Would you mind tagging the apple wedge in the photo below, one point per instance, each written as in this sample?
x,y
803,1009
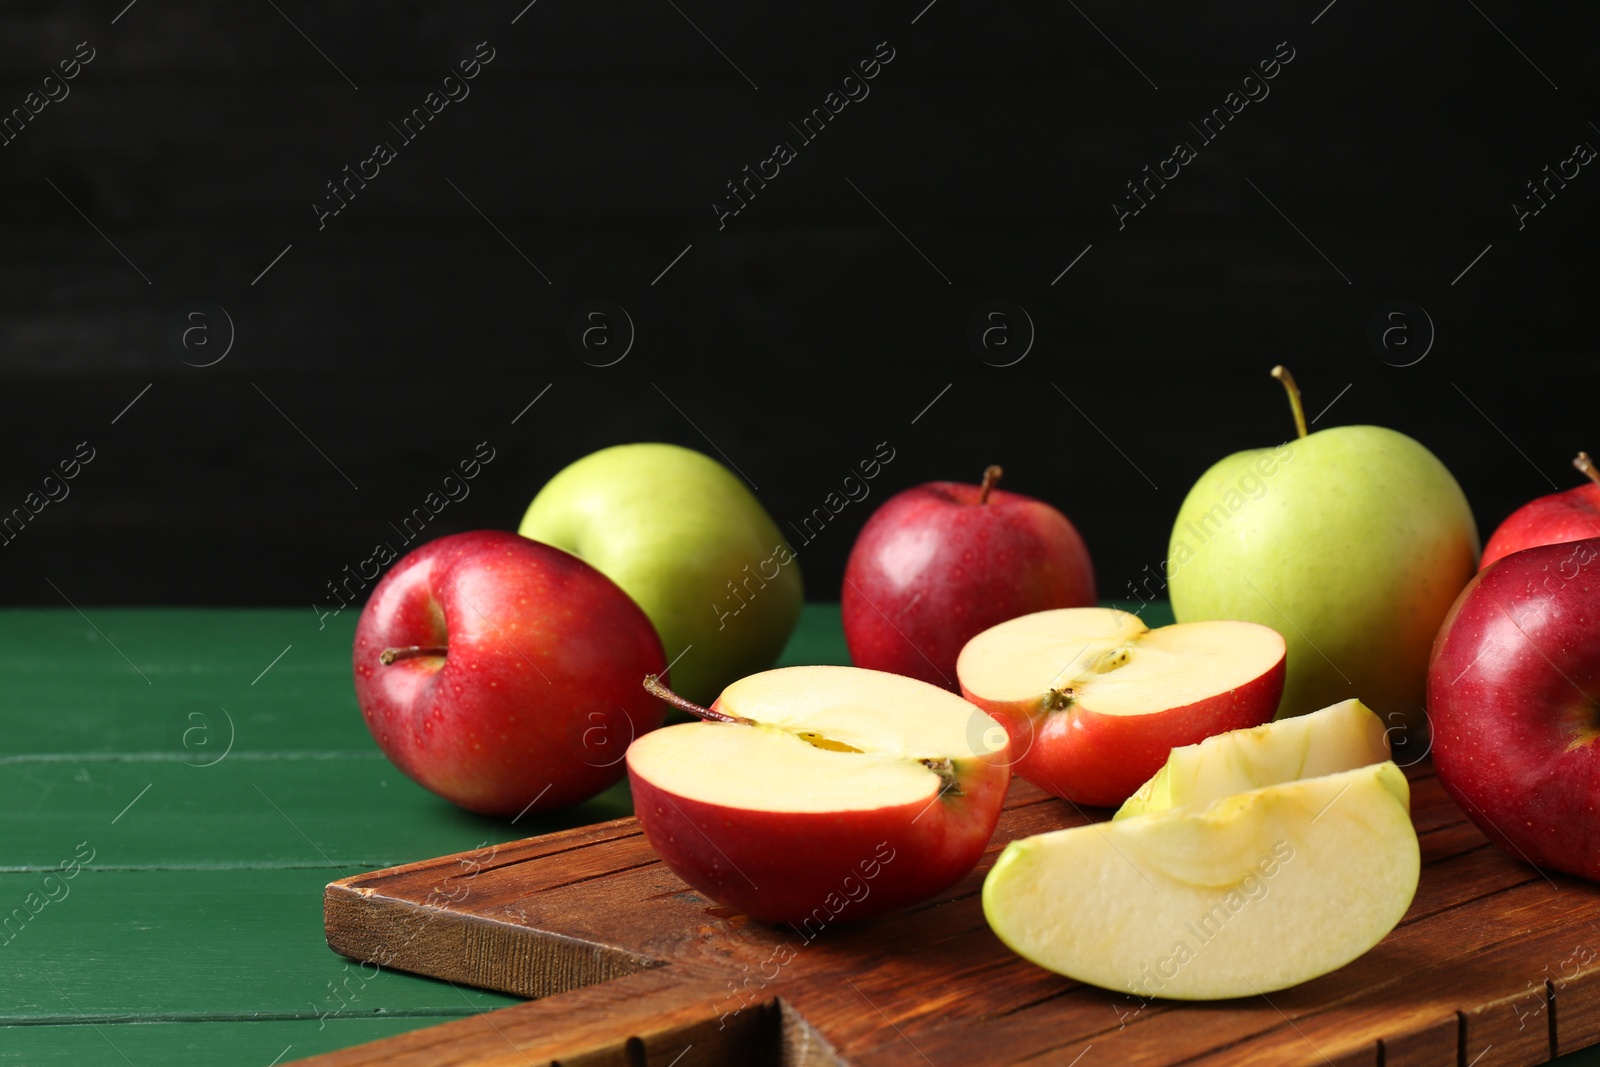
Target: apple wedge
x,y
1094,700
1340,737
816,794
1256,892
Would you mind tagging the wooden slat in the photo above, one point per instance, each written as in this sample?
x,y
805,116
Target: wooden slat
x,y
561,915
553,881
1087,1012
1472,960
1575,988
651,1017
193,1043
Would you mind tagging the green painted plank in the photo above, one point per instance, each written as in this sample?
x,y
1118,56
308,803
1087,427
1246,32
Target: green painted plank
x,y
177,945
192,682
193,1044
202,905
180,682
817,639
343,815
272,807
186,684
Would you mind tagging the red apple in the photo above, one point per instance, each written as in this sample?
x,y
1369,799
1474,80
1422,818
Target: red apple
x,y
818,794
1514,704
1094,700
1573,515
939,563
502,673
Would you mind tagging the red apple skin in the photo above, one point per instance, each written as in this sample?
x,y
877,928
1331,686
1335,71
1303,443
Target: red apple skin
x,y
1573,515
1102,760
815,869
538,695
1514,705
934,568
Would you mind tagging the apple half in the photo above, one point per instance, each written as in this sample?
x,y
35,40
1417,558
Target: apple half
x,y
1256,892
1094,700
815,794
1340,737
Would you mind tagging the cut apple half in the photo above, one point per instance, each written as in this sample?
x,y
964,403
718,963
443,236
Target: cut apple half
x,y
1256,892
1094,700
821,793
1340,737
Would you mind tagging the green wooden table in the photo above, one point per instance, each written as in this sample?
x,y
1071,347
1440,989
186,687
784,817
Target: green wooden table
x,y
177,787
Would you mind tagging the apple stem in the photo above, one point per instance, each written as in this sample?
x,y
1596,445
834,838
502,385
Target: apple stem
x,y
1586,465
991,475
653,686
1281,373
390,655
946,770
1060,699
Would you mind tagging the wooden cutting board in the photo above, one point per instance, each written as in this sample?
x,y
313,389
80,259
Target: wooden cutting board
x,y
1495,964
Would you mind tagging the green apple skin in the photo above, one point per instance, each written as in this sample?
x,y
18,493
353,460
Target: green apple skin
x,y
685,538
1352,542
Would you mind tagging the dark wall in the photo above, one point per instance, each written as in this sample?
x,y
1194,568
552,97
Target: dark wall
x,y
797,335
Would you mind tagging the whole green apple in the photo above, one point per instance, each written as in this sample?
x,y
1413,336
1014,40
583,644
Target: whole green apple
x,y
684,537
1352,542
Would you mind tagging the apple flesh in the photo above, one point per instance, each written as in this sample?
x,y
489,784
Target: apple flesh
x,y
1573,515
939,563
1093,700
1514,699
500,673
826,794
1340,737
1253,893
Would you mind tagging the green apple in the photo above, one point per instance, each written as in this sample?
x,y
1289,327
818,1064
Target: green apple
x,y
1340,737
1256,892
1352,542
684,537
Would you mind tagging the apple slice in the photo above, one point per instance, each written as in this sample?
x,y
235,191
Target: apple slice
x,y
1256,892
1340,737
814,794
1094,700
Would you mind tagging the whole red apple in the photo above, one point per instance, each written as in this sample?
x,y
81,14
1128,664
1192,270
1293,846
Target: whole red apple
x,y
1514,704
503,674
1573,515
938,564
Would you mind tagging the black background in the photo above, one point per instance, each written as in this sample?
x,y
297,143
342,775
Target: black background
x,y
808,329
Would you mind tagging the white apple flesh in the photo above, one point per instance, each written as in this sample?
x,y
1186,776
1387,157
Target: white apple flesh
x,y
833,793
1257,892
1094,700
1340,737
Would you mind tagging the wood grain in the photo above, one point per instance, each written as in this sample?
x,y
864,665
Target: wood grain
x,y
1492,962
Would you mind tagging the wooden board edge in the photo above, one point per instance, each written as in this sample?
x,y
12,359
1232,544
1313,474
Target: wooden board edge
x,y
658,1017
489,857
467,949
